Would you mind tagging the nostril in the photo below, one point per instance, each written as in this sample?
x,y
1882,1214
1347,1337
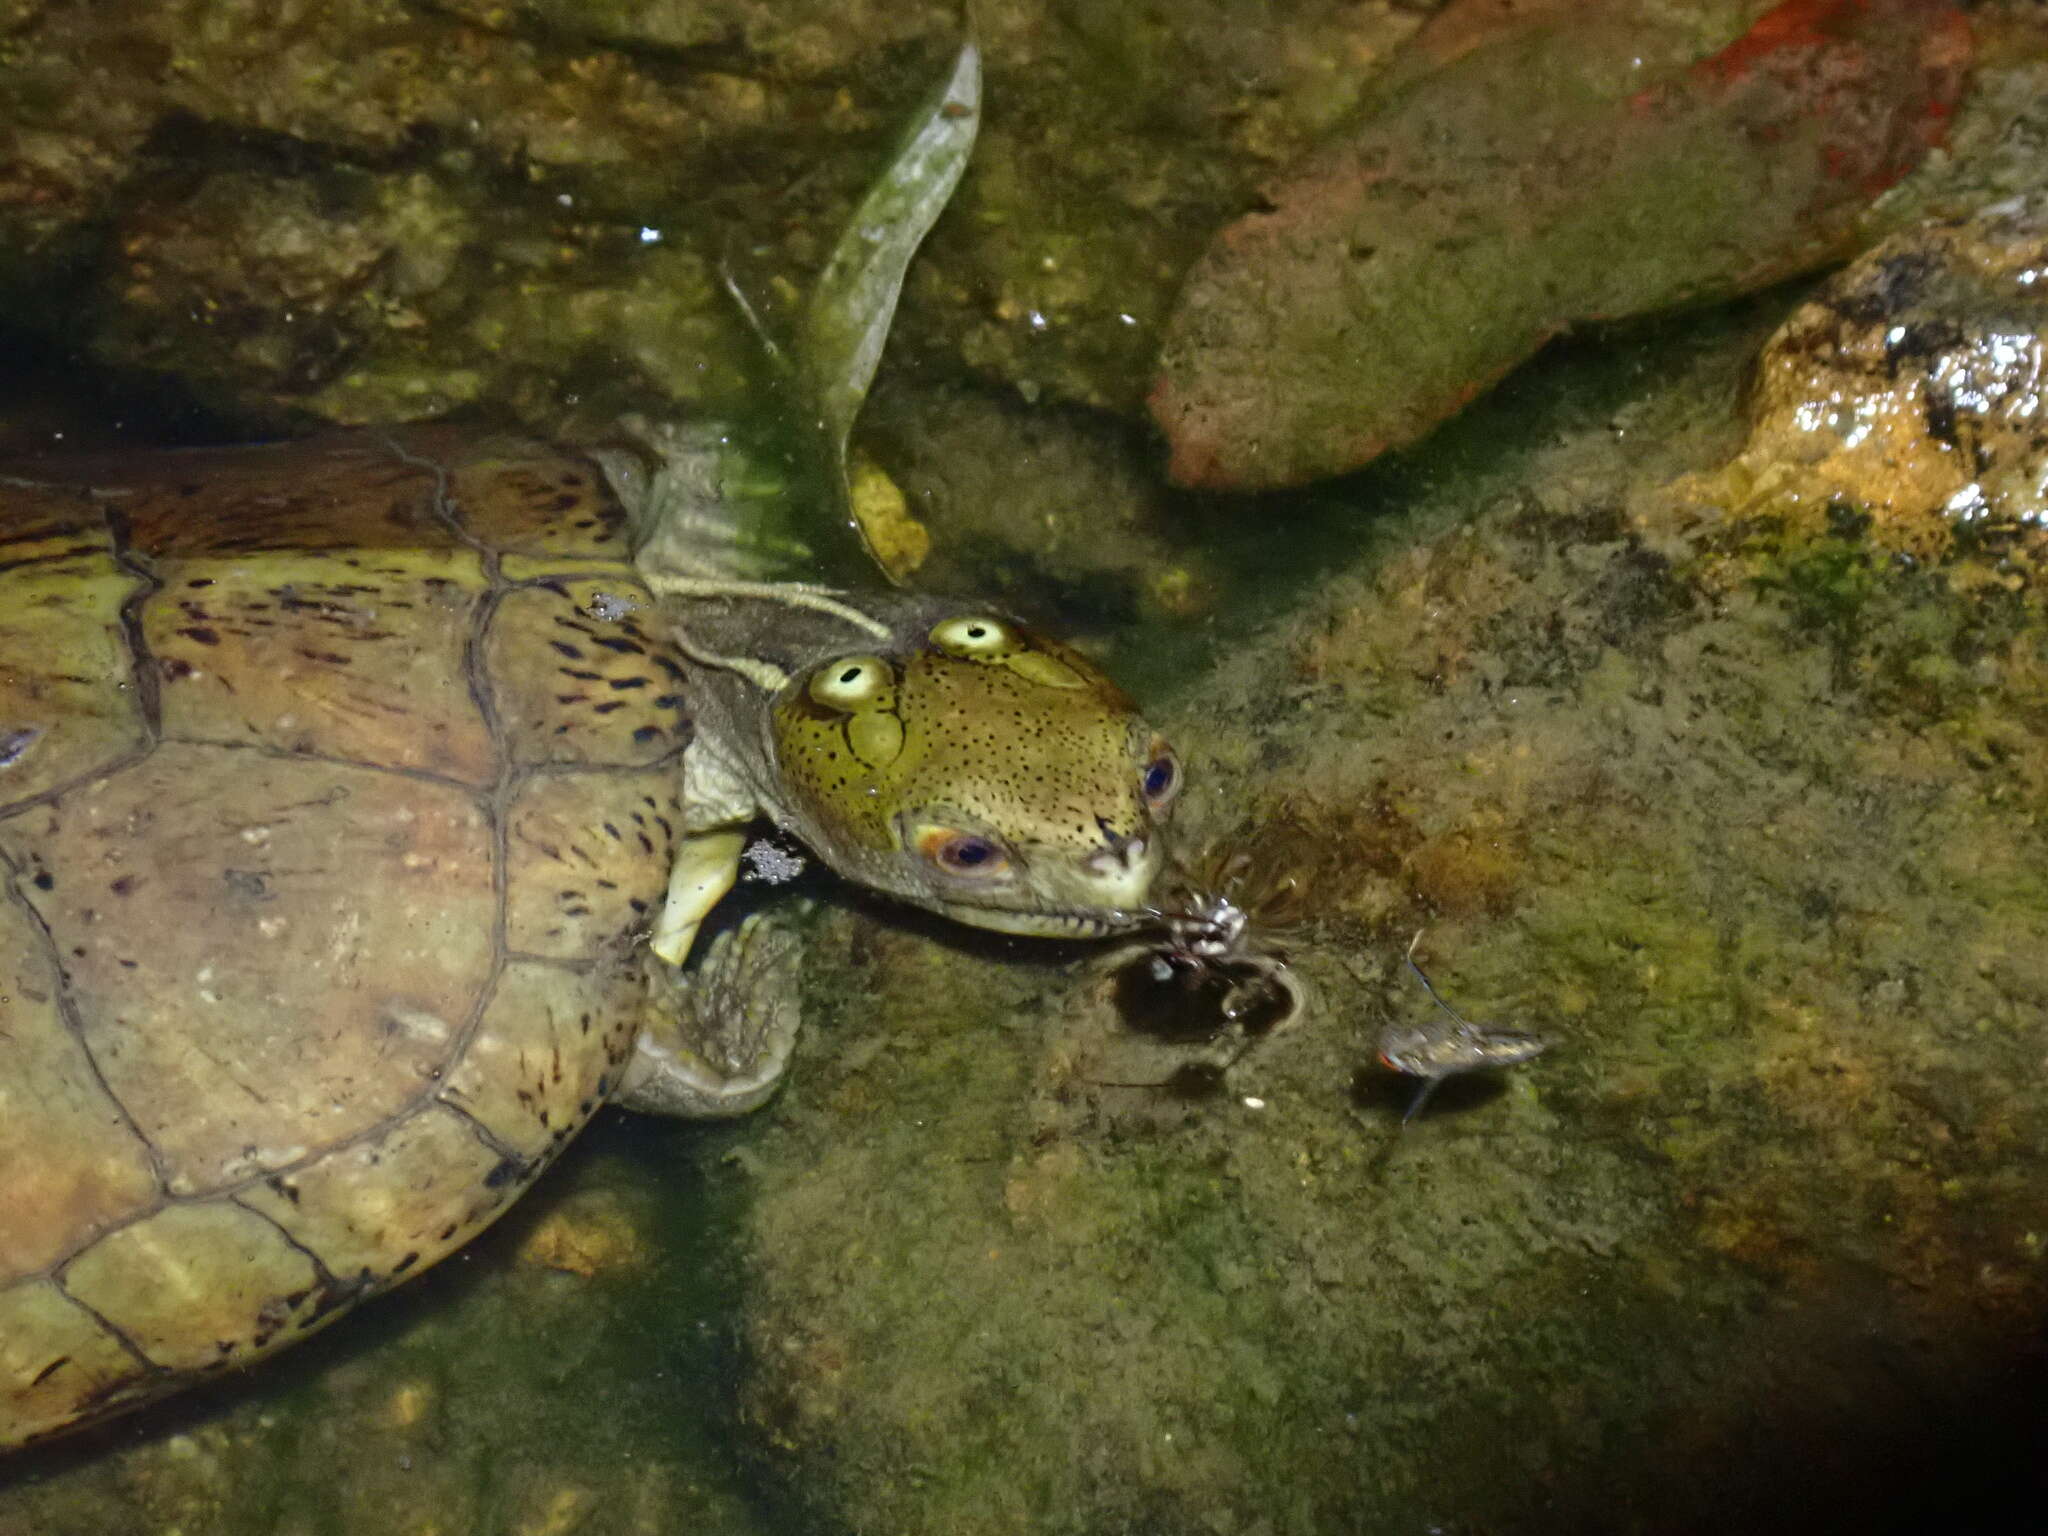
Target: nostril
x,y
1123,853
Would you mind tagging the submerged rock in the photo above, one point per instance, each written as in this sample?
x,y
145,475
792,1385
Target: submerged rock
x,y
1910,392
1564,172
1757,1244
544,189
1750,842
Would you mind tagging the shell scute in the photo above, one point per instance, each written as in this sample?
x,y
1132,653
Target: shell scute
x,y
216,913
587,859
362,660
68,703
344,493
548,1051
60,1365
389,1203
74,1164
534,507
194,1284
581,675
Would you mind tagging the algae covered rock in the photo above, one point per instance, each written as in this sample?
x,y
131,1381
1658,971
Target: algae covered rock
x,y
529,202
1738,813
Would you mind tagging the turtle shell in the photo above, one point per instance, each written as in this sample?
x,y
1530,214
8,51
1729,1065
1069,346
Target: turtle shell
x,y
336,782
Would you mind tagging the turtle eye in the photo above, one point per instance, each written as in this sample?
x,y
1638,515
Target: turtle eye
x,y
1159,782
962,853
976,637
851,682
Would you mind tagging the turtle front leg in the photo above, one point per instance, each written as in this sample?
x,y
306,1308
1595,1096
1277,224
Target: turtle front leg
x,y
717,804
706,865
718,1038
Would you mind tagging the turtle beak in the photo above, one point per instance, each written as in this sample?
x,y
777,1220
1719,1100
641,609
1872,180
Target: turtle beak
x,y
1116,877
1120,874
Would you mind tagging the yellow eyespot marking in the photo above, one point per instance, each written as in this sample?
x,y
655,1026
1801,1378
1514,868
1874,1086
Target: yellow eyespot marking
x,y
961,853
863,689
977,637
854,682
876,737
1049,671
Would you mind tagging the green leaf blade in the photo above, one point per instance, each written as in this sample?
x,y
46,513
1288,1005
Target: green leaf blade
x,y
847,320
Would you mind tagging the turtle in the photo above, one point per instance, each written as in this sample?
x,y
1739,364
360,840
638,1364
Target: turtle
x,y
360,802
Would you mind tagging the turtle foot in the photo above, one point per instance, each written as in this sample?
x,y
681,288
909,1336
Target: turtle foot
x,y
720,1036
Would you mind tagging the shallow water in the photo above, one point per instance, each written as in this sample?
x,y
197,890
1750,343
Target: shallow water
x,y
1762,1222
1747,825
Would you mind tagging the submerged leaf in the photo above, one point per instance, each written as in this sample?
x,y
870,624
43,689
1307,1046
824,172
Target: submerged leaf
x,y
848,317
847,320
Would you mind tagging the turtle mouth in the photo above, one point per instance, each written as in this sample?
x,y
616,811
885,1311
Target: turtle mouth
x,y
1070,923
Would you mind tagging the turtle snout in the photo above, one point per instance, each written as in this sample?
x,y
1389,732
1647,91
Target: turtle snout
x,y
1120,872
1119,855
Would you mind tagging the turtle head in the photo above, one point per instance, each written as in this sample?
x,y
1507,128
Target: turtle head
x,y
978,768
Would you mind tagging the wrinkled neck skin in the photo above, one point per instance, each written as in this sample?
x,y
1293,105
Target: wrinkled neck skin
x,y
1050,774
733,704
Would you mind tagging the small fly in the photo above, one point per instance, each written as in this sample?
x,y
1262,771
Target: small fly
x,y
1438,1051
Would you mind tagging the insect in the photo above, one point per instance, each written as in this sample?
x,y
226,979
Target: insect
x,y
1437,1051
1201,977
1212,965
1202,972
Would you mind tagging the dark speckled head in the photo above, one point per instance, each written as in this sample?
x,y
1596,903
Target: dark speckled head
x,y
985,771
942,752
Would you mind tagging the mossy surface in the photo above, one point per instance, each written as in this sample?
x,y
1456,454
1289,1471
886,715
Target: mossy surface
x,y
1719,817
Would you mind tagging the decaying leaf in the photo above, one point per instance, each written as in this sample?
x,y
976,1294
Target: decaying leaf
x,y
830,362
847,320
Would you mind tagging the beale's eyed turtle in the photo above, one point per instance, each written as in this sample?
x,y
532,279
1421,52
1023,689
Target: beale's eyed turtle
x,y
340,786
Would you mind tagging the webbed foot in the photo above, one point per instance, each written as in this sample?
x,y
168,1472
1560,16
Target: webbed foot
x,y
720,1036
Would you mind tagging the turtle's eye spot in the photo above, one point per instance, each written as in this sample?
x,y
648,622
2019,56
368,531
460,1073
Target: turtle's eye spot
x,y
1159,781
962,853
976,637
851,682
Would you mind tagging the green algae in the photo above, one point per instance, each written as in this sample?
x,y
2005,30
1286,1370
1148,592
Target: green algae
x,y
1745,873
